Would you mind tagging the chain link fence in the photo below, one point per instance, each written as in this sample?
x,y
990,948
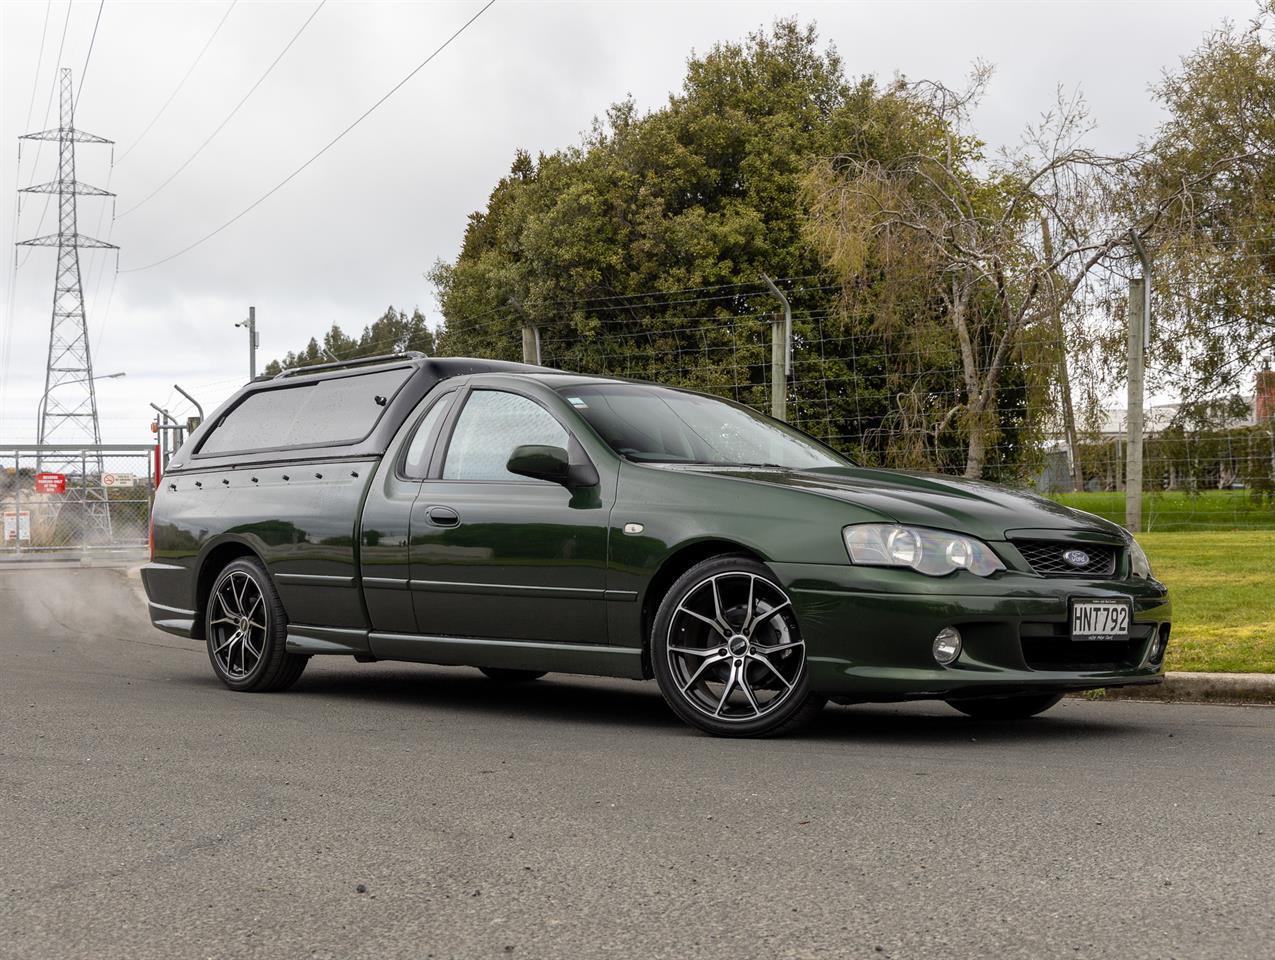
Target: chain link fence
x,y
75,499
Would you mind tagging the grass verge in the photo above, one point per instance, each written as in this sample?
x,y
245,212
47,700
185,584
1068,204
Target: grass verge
x,y
1176,510
1223,590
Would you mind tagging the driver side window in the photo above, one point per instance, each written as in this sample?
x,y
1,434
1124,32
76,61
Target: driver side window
x,y
489,429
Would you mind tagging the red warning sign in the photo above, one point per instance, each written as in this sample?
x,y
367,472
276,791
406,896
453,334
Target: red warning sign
x,y
50,483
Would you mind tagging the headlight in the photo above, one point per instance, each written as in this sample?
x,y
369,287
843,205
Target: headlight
x,y
931,552
1139,565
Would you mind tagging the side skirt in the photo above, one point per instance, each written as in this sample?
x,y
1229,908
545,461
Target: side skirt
x,y
308,639
599,661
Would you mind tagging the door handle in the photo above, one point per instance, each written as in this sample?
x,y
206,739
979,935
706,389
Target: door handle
x,y
443,517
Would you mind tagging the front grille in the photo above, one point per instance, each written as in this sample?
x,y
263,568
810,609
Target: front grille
x,y
1047,646
1047,558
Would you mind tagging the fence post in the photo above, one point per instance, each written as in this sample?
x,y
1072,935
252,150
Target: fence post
x,y
778,382
530,344
17,501
1133,412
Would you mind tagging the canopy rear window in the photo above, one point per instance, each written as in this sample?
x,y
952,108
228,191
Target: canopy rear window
x,y
330,412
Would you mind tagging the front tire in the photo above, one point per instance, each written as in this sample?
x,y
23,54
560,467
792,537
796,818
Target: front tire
x,y
1006,708
727,652
246,630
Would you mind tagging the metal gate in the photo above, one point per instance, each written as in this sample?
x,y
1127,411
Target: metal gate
x,y
75,498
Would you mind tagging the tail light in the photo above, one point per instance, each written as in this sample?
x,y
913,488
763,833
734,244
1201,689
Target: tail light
x,y
150,536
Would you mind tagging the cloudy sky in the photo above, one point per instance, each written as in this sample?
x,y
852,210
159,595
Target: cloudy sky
x,y
356,231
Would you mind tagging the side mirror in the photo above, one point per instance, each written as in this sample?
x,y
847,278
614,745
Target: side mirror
x,y
551,463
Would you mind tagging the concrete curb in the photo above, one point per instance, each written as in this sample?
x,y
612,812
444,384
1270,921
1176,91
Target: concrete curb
x,y
1254,688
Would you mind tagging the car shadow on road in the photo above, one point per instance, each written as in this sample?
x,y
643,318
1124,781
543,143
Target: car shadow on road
x,y
934,723
555,698
616,703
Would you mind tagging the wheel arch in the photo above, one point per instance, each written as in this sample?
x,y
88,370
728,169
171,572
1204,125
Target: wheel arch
x,y
673,566
212,563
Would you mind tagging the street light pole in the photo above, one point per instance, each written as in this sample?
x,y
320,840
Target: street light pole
x,y
253,341
93,379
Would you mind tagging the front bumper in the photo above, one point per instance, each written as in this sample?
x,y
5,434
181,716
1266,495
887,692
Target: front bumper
x,y
869,632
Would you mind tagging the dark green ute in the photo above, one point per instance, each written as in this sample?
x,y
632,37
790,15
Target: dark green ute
x,y
523,520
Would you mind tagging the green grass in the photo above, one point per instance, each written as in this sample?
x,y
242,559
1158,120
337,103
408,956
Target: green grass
x,y
1172,510
1223,590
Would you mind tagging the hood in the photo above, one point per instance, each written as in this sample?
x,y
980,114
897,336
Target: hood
x,y
984,510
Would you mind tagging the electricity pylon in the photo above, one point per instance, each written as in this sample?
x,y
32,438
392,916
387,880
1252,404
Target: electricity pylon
x,y
68,407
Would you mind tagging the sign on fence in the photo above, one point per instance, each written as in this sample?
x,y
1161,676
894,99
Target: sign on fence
x,y
50,483
17,526
63,497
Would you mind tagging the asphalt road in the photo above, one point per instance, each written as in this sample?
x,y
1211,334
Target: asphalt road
x,y
392,810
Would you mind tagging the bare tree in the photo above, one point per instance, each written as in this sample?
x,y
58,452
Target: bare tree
x,y
1005,242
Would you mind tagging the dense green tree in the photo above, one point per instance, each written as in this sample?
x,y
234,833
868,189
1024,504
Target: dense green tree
x,y
393,332
694,201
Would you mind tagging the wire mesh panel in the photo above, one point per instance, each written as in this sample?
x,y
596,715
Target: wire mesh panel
x,y
58,498
1047,416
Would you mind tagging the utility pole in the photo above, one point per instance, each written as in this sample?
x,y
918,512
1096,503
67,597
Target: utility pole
x,y
530,335
530,344
780,354
254,341
1139,335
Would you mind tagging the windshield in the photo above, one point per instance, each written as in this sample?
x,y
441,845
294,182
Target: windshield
x,y
649,424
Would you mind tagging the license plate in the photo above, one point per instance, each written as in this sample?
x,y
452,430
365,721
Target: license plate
x,y
1100,619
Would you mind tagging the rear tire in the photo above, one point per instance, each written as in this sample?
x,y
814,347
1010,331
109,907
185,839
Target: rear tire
x,y
505,675
246,630
727,652
1006,708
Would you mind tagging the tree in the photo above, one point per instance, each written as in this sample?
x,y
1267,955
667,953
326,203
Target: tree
x,y
393,332
641,250
997,247
1215,264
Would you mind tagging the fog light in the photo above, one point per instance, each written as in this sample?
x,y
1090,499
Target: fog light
x,y
947,645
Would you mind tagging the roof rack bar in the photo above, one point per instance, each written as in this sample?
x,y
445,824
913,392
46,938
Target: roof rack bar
x,y
343,364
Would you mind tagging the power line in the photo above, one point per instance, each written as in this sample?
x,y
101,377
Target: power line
x,y
48,107
17,181
78,91
182,82
39,61
39,147
88,56
230,115
331,143
12,298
